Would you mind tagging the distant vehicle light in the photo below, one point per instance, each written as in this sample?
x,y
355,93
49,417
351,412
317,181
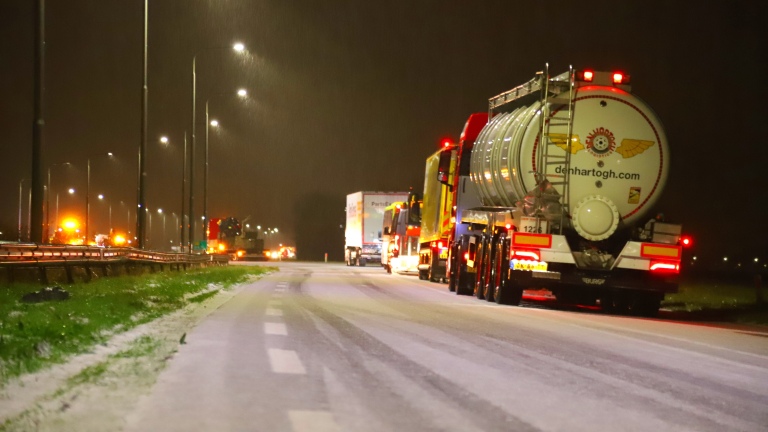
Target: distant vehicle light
x,y
686,241
221,247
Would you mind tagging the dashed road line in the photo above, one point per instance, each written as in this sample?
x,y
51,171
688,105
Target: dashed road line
x,y
275,329
316,421
285,361
274,312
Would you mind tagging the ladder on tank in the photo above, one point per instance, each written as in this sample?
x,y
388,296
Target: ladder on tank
x,y
553,161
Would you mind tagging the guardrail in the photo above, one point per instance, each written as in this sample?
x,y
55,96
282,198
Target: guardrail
x,y
26,255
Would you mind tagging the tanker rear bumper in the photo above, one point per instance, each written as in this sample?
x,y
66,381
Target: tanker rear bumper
x,y
567,277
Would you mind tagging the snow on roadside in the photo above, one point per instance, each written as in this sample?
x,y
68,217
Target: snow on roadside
x,y
48,401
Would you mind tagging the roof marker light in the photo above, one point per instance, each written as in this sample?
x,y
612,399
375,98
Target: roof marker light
x,y
618,77
588,75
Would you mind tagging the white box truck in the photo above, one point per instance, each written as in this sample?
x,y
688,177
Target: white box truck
x,y
365,215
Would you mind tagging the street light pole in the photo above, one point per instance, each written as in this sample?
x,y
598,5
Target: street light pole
x,y
208,123
163,215
192,160
141,203
205,179
21,183
47,234
36,182
87,204
88,197
183,186
239,47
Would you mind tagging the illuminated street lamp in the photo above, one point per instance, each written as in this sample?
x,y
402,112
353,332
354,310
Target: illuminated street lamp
x,y
239,47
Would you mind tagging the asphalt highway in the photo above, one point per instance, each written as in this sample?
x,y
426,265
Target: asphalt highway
x,y
322,347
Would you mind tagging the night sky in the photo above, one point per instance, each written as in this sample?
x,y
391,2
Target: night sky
x,y
351,95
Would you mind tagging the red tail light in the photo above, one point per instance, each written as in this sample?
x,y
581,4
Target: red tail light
x,y
528,254
585,75
686,241
466,256
620,78
439,245
665,267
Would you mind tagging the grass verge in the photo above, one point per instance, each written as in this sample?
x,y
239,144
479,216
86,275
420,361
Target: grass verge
x,y
35,335
717,300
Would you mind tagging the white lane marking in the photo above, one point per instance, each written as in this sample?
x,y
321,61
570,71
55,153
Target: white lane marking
x,y
275,329
319,421
274,312
285,361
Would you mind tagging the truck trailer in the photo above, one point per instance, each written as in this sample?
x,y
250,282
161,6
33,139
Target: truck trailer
x,y
553,188
365,213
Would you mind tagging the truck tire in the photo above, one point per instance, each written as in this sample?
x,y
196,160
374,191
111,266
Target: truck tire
x,y
497,271
645,304
464,283
614,302
479,290
452,262
362,262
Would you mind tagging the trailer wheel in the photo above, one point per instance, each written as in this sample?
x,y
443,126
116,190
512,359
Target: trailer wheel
x,y
431,276
479,290
614,302
508,293
645,304
362,262
497,271
451,264
464,283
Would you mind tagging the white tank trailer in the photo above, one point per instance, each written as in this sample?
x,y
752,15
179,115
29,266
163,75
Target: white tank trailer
x,y
568,211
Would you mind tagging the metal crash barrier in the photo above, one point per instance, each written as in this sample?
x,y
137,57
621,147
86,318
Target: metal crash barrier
x,y
108,260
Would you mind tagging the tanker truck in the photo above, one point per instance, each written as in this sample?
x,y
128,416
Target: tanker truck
x,y
553,188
